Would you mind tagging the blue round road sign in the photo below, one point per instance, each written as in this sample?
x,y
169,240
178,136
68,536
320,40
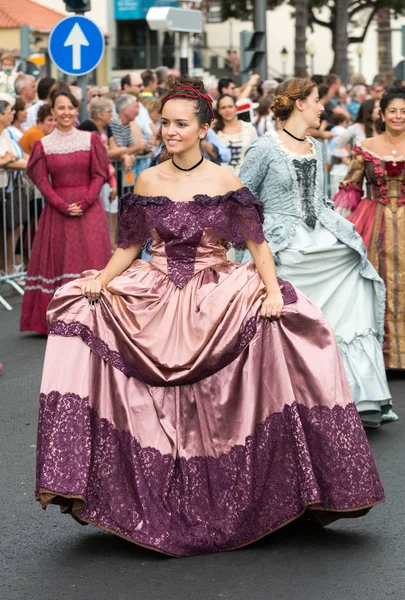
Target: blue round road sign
x,y
76,45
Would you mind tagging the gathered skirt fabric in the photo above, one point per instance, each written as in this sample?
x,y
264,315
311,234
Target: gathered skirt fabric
x,y
163,444
328,272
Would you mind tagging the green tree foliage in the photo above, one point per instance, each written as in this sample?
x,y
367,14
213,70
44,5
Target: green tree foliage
x,y
360,14
359,10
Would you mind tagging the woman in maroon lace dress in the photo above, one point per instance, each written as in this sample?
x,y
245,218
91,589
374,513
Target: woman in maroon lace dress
x,y
203,404
69,167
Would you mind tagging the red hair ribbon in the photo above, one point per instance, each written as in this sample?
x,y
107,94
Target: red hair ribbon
x,y
197,94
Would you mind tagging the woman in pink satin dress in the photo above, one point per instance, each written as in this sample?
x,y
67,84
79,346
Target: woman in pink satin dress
x,y
202,404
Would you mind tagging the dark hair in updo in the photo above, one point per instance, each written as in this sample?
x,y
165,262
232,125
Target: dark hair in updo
x,y
67,94
287,93
202,111
393,92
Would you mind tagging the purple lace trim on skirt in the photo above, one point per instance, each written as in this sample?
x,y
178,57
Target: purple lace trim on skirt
x,y
99,347
317,458
116,360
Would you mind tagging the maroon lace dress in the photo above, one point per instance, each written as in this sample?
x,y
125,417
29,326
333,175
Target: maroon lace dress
x,y
181,420
66,167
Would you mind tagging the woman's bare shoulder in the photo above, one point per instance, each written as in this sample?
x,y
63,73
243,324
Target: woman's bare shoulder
x,y
373,143
226,180
146,181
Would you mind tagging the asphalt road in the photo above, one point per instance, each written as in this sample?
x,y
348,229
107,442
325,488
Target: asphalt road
x,y
48,556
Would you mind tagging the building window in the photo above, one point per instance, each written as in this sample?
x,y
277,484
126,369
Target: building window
x,y
214,11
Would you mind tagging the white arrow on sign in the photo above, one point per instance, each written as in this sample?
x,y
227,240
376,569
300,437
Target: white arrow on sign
x,y
76,39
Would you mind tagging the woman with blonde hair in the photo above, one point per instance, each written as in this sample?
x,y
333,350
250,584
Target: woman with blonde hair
x,y
317,249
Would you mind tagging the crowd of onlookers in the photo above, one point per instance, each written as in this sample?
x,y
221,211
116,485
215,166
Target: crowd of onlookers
x,y
126,116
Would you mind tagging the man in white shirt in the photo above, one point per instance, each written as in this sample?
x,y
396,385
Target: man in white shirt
x,y
43,89
133,83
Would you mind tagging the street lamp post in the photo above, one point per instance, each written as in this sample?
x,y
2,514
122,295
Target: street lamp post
x,y
311,49
284,56
359,51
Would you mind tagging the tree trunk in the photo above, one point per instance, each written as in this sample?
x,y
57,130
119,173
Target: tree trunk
x,y
385,44
301,24
340,40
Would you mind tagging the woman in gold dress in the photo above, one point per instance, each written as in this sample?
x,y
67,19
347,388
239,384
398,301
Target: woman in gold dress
x,y
380,216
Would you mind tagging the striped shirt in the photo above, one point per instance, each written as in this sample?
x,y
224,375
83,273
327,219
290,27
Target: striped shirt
x,y
122,133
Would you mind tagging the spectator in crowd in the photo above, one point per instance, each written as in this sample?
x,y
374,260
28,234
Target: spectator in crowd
x,y
26,89
226,85
100,115
269,86
127,108
264,122
337,146
196,44
318,79
152,105
7,75
380,79
149,80
20,117
44,87
77,93
46,123
234,134
357,79
132,83
358,95
94,92
162,73
69,167
100,112
11,228
366,124
377,90
333,105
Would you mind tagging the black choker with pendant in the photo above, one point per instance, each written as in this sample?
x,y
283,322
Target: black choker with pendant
x,y
187,171
293,136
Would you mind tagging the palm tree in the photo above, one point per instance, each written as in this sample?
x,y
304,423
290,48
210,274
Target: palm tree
x,y
301,24
340,22
385,43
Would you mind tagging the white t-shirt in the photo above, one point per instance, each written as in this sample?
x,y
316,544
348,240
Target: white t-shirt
x,y
143,119
238,143
32,114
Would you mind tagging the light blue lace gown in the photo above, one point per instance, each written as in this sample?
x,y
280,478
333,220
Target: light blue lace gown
x,y
322,255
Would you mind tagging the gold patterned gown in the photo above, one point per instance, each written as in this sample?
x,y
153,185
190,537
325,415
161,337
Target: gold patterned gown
x,y
380,220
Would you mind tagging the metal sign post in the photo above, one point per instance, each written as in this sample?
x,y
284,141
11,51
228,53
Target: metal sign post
x,y
260,24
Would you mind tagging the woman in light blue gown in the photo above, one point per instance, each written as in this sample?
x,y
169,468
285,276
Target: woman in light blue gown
x,y
317,249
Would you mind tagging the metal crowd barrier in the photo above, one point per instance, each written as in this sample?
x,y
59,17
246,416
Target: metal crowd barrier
x,y
20,208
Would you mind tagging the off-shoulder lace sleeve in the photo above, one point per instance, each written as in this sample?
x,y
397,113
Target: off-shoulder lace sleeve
x,y
132,228
245,218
